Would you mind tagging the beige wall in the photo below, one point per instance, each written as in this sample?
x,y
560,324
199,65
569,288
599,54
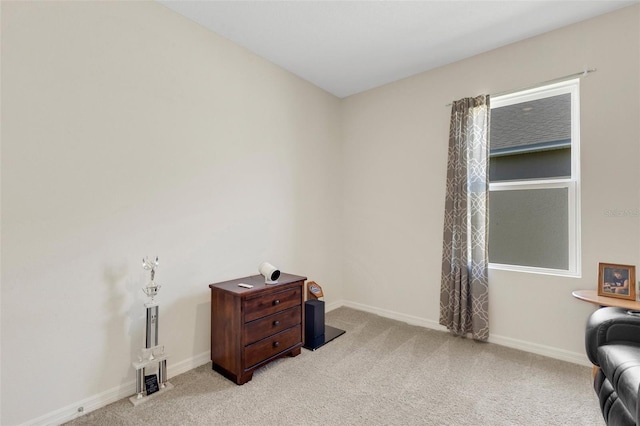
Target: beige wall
x,y
395,150
129,131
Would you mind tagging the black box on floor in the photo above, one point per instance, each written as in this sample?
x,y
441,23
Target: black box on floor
x,y
313,322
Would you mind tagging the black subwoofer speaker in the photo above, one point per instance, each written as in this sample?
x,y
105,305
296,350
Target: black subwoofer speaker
x,y
313,322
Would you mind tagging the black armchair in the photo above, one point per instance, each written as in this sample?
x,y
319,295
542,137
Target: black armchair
x,y
613,344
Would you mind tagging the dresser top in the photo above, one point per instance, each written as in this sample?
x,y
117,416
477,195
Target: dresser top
x,y
257,281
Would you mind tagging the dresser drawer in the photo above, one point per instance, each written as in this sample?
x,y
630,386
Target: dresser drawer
x,y
271,346
261,306
265,327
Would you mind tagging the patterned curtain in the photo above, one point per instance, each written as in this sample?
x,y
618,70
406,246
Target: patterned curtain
x,y
464,291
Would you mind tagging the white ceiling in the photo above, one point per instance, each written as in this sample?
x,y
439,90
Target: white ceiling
x,y
346,47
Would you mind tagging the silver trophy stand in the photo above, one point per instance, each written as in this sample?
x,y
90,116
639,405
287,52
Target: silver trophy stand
x,y
152,353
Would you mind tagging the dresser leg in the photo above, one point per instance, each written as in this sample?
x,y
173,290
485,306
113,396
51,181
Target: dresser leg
x,y
241,380
295,352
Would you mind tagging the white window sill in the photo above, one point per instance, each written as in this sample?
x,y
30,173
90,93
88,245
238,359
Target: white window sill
x,y
534,270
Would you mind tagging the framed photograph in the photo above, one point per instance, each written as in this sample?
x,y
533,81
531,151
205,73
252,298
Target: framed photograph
x,y
617,281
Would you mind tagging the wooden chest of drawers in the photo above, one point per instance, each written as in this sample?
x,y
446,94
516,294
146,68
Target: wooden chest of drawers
x,y
252,327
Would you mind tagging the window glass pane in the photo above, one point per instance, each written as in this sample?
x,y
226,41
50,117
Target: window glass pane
x,y
529,227
531,140
535,165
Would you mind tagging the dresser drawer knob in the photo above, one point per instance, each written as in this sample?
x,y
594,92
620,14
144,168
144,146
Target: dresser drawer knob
x,y
276,344
276,323
276,302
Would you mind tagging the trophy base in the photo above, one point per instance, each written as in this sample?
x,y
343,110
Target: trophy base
x,y
135,400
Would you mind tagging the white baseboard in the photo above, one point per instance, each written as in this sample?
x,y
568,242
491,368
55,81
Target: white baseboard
x,y
548,351
188,364
114,394
109,396
92,403
409,319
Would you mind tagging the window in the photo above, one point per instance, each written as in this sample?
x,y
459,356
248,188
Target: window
x,y
534,214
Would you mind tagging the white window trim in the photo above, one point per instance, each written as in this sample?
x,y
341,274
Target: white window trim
x,y
572,184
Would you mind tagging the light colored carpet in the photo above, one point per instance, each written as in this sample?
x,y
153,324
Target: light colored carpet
x,y
381,372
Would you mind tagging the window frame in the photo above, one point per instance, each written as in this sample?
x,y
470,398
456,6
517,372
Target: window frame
x,y
572,183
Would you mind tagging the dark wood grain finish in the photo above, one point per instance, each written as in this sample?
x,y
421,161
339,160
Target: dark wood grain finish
x,y
226,345
267,304
252,327
266,348
267,326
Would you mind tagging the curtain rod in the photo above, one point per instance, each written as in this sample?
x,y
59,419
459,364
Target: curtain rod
x,y
584,73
